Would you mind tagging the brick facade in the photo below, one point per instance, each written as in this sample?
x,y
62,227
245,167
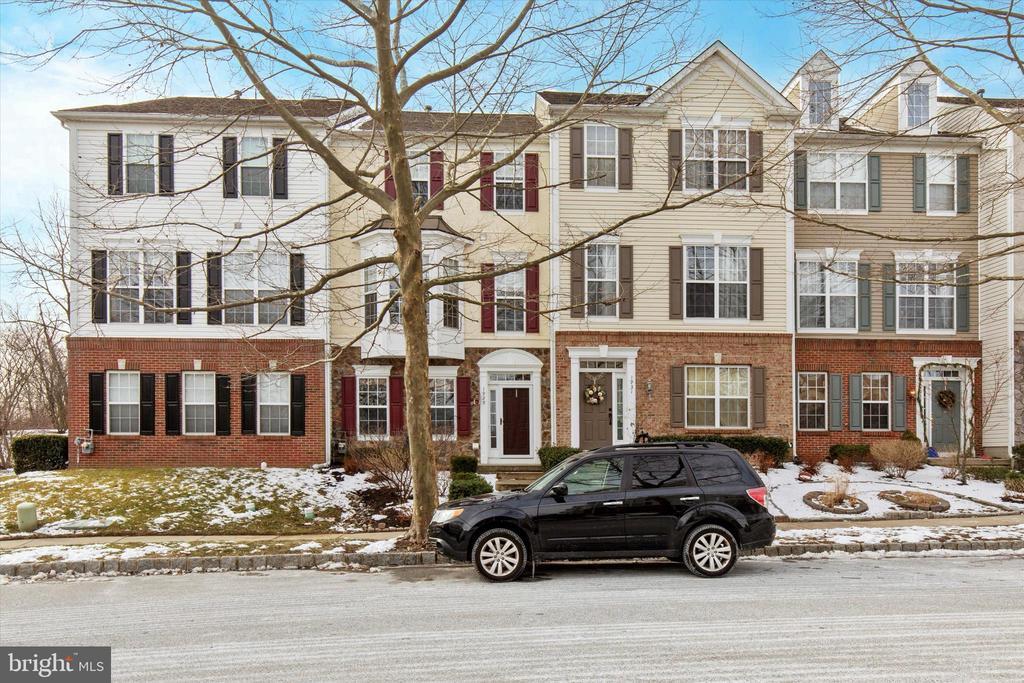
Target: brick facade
x,y
660,351
231,357
895,356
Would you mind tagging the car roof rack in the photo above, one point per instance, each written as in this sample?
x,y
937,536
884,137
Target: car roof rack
x,y
659,444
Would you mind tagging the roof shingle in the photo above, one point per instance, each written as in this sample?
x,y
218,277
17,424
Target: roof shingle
x,y
220,106
570,98
435,121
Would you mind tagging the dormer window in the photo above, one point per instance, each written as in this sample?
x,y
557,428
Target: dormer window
x,y
918,100
819,105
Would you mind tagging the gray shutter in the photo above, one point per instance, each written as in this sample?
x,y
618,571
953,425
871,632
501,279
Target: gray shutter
x,y
99,286
184,284
675,283
675,159
577,297
625,158
835,402
888,297
576,158
757,283
625,281
899,403
856,408
755,150
963,298
213,287
920,182
963,184
800,180
677,385
757,398
864,296
874,182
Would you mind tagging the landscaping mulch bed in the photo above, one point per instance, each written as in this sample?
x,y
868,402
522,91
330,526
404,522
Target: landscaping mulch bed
x,y
915,500
850,506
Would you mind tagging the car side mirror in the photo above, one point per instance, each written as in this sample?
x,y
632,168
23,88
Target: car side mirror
x,y
559,490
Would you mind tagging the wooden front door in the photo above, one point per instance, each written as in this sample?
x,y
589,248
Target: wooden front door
x,y
596,419
515,420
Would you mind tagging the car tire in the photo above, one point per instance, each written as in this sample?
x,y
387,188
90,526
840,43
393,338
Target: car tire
x,y
500,555
710,551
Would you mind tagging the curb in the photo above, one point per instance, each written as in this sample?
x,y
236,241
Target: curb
x,y
804,548
902,514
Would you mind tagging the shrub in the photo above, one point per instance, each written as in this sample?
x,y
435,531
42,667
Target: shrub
x,y
1014,482
463,463
552,455
37,452
839,492
846,462
466,484
810,463
1018,459
388,465
896,458
760,461
776,447
858,452
991,473
908,435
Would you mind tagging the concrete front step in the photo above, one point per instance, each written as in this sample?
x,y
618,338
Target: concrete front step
x,y
510,469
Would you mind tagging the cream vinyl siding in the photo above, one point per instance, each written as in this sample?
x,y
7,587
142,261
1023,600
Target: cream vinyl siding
x,y
713,91
490,231
882,114
896,219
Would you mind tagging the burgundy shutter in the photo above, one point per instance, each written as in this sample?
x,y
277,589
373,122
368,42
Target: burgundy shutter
x,y
533,298
436,174
230,162
487,299
348,405
577,295
389,180
625,158
463,406
396,404
755,150
486,182
532,176
115,167
675,159
576,158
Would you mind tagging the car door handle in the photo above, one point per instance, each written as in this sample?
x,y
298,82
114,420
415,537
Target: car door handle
x,y
689,498
613,502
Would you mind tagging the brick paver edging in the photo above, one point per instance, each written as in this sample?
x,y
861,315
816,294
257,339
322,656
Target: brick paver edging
x,y
403,559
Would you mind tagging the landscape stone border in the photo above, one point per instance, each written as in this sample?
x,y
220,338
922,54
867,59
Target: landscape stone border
x,y
811,500
900,498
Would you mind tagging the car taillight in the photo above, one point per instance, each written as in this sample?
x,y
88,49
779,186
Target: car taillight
x,y
759,496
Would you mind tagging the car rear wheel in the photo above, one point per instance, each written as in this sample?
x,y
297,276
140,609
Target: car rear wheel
x,y
710,551
500,555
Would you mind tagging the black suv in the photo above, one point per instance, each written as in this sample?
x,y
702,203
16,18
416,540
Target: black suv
x,y
698,503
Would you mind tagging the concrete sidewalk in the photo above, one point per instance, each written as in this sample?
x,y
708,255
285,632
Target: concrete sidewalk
x,y
11,544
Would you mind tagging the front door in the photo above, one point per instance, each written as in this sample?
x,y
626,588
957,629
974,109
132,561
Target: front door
x,y
589,518
945,415
515,420
596,403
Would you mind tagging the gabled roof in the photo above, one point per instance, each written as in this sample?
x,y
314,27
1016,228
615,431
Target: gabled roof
x,y
559,97
866,104
448,122
817,56
218,106
998,102
432,222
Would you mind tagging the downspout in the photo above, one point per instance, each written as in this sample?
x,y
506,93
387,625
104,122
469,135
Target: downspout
x,y
328,363
1011,421
553,283
791,310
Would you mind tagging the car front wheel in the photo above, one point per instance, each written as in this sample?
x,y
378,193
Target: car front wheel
x,y
500,555
710,551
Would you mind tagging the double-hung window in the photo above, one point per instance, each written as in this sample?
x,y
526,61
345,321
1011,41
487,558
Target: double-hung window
x,y
941,184
602,151
372,407
509,185
875,400
717,281
158,285
146,276
419,168
124,281
602,279
255,167
828,295
273,393
510,302
812,395
918,104
372,277
273,275
837,181
140,164
819,103
394,290
442,407
199,399
122,403
239,273
450,303
716,158
717,396
925,296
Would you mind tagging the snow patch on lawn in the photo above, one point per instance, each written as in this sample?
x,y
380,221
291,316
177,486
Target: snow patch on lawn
x,y
307,547
384,546
907,534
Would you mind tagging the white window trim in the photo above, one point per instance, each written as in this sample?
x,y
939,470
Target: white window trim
x,y
928,186
716,127
154,164
374,372
833,91
828,297
519,161
917,74
419,159
716,320
140,268
185,402
800,401
586,281
509,333
108,402
446,372
257,286
267,162
718,396
259,404
926,257
837,182
614,187
863,386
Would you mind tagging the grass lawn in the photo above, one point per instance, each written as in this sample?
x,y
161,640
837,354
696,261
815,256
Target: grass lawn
x,y
203,500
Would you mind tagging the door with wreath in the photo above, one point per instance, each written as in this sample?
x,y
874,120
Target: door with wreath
x,y
595,410
945,415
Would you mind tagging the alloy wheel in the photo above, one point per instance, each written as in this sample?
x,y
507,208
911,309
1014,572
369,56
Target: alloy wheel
x,y
499,556
712,552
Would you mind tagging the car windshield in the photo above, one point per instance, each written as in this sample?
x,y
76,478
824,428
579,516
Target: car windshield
x,y
552,475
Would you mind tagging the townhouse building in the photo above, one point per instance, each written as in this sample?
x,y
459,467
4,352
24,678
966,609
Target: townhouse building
x,y
173,204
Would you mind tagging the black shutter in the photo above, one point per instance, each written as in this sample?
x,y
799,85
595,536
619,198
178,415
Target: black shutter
x,y
166,164
213,285
298,415
147,404
222,414
172,403
280,169
99,286
230,168
248,404
115,167
97,416
184,262
298,283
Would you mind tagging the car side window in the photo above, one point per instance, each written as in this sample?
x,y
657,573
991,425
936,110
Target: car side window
x,y
594,476
714,468
659,471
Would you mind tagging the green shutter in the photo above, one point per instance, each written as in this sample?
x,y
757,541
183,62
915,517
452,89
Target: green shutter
x,y
835,403
856,409
864,296
963,184
800,180
889,297
920,182
899,403
874,182
963,299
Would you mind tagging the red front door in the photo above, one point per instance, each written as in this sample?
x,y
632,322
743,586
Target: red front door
x,y
515,420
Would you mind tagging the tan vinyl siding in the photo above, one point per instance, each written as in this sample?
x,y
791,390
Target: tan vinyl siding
x,y
883,114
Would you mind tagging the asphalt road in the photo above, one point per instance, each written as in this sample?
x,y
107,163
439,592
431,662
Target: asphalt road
x,y
772,619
